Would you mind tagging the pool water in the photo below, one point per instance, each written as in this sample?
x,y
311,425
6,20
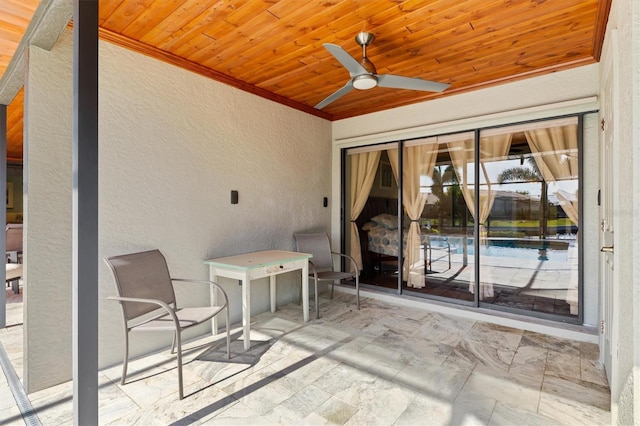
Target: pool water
x,y
524,253
529,250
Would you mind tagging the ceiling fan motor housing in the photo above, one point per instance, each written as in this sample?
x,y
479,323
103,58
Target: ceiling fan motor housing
x,y
364,38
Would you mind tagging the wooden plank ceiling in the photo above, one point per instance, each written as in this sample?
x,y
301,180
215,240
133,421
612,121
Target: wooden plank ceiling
x,y
274,48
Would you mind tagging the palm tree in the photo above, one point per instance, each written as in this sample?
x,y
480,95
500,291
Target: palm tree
x,y
529,174
441,178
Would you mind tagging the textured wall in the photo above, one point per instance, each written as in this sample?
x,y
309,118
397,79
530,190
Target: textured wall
x,y
172,146
47,204
625,19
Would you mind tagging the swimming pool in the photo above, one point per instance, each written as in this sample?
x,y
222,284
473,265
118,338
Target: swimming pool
x,y
516,248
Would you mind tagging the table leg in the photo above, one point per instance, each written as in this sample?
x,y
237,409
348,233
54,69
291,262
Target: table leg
x,y
246,312
272,292
213,298
305,291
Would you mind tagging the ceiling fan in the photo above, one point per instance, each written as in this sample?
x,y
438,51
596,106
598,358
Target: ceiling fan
x,y
363,74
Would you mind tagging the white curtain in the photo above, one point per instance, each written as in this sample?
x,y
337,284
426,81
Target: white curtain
x,y
417,161
363,172
555,150
492,148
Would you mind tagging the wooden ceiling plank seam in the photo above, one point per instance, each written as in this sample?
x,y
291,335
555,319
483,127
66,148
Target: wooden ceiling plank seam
x,y
125,13
275,65
171,28
247,28
472,45
234,32
195,27
497,14
315,38
170,25
151,17
239,35
469,54
502,42
272,47
107,7
354,43
295,55
445,37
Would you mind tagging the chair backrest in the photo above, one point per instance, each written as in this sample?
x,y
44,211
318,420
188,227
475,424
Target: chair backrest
x,y
145,275
14,237
319,246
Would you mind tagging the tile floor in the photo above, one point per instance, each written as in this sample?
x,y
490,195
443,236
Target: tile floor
x,y
382,365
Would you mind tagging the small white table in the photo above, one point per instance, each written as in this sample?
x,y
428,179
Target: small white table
x,y
252,266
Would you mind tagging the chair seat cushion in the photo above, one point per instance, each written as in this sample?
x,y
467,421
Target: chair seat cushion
x,y
333,275
187,317
14,270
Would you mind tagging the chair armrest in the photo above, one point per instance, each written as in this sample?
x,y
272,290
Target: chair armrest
x,y
346,256
160,303
212,283
314,272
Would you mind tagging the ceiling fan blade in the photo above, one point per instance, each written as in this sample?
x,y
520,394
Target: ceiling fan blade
x,y
399,82
346,60
335,95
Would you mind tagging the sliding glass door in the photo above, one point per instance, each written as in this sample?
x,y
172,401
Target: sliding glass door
x,y
486,218
371,213
529,260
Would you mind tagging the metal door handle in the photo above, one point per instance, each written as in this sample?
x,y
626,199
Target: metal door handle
x,y
607,249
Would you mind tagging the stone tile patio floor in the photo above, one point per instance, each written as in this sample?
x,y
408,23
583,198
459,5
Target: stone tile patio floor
x,y
382,365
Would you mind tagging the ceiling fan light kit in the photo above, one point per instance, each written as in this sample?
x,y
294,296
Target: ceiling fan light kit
x,y
364,76
365,81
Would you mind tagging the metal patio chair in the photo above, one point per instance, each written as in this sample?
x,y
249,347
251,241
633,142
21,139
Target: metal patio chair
x,y
148,302
321,264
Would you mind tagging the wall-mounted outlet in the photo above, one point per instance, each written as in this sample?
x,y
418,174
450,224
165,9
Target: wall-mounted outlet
x,y
325,202
234,197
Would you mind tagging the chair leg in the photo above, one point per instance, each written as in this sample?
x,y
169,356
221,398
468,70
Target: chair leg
x,y
173,344
358,291
179,360
315,283
126,357
228,335
333,283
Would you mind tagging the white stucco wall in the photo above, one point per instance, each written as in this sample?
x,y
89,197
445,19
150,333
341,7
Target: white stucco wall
x,y
551,95
47,217
625,395
172,146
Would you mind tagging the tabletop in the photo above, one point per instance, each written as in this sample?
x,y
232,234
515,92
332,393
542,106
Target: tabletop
x,y
257,259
